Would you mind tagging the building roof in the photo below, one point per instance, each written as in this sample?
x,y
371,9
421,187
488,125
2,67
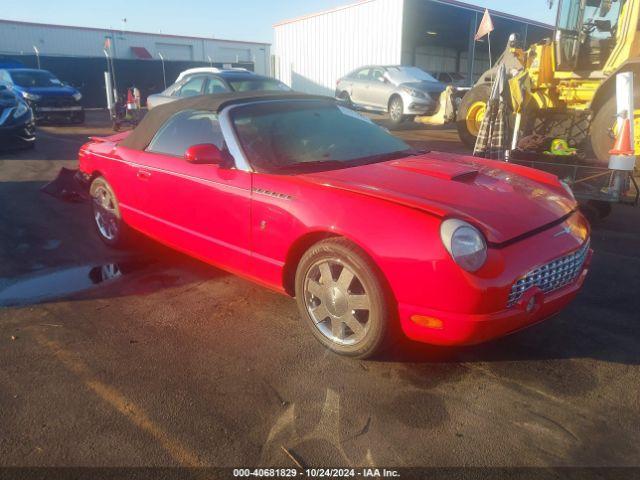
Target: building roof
x,y
455,3
111,31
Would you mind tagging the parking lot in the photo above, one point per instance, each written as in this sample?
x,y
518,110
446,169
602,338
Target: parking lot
x,y
149,358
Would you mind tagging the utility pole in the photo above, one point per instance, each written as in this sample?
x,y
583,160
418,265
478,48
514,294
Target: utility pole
x,y
35,49
164,75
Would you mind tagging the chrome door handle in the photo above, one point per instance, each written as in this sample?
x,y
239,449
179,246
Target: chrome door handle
x,y
143,175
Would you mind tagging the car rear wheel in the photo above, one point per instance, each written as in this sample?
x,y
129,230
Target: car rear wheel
x,y
106,214
342,298
396,111
345,98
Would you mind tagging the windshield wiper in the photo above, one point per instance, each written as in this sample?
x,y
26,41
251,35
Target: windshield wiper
x,y
385,157
334,164
311,165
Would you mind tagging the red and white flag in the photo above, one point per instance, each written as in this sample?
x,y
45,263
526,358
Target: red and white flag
x,y
486,25
107,44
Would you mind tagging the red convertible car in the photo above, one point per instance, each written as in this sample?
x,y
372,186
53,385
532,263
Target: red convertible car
x,y
311,199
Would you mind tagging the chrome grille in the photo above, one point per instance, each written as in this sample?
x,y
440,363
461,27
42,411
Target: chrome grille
x,y
552,276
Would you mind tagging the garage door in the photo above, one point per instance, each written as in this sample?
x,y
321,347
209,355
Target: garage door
x,y
174,51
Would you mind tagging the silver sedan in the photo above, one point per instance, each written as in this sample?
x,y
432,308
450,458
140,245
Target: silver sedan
x,y
402,92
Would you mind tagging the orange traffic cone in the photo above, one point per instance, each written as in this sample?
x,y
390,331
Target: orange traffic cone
x,y
623,145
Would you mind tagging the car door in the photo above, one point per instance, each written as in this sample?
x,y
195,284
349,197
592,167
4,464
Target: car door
x,y
202,209
380,89
360,85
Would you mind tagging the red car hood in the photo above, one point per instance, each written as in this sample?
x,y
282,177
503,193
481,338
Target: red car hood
x,y
504,200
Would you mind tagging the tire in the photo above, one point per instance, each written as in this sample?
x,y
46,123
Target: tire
x,y
106,214
346,99
351,318
467,113
396,110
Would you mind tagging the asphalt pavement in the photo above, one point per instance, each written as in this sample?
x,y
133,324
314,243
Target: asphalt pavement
x,y
150,358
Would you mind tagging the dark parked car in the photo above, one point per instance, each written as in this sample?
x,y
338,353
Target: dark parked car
x,y
17,129
49,98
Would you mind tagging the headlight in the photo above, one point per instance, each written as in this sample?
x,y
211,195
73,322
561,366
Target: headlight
x,y
413,92
465,244
20,110
567,189
30,96
77,96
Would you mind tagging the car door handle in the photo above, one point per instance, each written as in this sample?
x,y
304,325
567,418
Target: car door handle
x,y
143,175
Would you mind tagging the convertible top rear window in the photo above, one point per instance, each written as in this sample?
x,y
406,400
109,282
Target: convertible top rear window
x,y
281,136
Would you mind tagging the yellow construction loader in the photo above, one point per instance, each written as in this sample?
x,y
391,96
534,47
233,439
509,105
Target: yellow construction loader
x,y
565,87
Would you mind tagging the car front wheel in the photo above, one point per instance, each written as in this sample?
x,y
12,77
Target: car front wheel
x,y
106,214
342,298
396,111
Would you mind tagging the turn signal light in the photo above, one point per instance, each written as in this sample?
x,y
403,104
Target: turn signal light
x,y
428,322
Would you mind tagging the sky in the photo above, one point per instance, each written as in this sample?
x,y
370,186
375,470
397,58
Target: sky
x,y
231,19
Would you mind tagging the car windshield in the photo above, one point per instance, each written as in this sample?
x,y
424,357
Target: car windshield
x,y
409,75
296,136
34,78
258,84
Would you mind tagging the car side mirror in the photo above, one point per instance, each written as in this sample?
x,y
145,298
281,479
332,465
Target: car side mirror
x,y
204,153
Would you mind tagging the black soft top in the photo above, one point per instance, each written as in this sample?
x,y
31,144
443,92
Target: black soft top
x,y
141,137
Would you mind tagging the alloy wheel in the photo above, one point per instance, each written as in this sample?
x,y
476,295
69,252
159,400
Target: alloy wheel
x,y
104,211
337,301
396,110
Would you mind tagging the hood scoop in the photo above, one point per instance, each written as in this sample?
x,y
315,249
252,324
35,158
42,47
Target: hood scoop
x,y
465,177
452,171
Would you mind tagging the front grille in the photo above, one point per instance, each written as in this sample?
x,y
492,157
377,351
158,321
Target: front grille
x,y
552,276
57,102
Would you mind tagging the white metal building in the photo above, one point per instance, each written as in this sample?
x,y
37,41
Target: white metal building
x,y
312,52
19,38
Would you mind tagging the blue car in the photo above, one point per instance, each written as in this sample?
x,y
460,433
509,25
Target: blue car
x,y
49,98
17,128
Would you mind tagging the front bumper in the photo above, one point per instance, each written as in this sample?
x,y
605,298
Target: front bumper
x,y
44,112
23,135
453,329
418,105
